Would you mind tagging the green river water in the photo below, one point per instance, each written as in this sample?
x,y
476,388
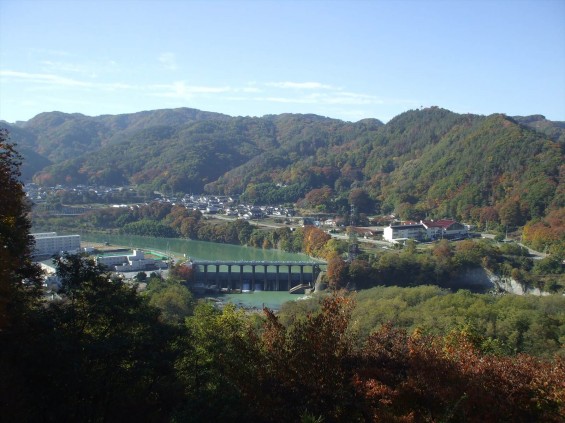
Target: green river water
x,y
202,250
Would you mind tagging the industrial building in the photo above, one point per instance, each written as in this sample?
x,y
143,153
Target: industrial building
x,y
130,263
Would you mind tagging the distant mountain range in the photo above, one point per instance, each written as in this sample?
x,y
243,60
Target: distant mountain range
x,y
423,162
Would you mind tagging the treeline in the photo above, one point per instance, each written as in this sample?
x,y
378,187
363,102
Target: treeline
x,y
69,197
168,221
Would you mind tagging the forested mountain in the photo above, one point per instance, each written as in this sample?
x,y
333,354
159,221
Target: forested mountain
x,y
480,163
426,162
61,136
554,130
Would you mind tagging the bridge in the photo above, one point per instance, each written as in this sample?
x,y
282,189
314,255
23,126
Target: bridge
x,y
257,275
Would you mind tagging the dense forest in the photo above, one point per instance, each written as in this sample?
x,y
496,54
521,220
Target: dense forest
x,y
427,162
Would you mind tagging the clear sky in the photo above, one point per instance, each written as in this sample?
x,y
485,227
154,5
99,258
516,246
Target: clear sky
x,y
343,59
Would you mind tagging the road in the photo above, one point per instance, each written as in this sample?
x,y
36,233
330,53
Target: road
x,y
344,237
536,254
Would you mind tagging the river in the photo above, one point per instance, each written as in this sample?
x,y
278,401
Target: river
x,y
202,250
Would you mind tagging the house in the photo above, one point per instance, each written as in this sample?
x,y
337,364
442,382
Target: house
x,y
290,212
212,208
256,212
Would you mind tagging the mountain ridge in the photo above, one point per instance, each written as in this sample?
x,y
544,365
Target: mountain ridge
x,y
421,162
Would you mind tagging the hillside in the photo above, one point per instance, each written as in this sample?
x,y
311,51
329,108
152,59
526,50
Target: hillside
x,y
61,136
177,156
479,163
427,162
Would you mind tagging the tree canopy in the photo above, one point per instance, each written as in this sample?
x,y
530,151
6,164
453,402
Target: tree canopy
x,y
19,277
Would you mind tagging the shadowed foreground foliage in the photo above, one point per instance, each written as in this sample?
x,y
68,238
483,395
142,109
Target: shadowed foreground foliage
x,y
19,277
313,365
104,354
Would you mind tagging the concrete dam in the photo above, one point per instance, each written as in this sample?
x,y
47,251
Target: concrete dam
x,y
256,275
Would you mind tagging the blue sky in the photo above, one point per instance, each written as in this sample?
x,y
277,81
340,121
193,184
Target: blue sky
x,y
343,59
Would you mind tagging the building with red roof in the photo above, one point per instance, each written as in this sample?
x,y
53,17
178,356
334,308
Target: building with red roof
x,y
444,228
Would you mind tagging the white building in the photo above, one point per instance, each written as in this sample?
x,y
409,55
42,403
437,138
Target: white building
x,y
49,243
444,228
393,233
426,229
129,263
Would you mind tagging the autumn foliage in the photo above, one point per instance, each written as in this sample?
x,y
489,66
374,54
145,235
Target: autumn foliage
x,y
410,378
314,241
547,233
315,367
183,272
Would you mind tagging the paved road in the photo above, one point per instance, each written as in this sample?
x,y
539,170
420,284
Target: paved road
x,y
537,254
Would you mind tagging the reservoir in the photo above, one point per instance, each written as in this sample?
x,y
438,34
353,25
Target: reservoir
x,y
196,250
202,250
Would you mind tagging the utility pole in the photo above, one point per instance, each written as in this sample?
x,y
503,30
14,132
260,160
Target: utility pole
x,y
353,247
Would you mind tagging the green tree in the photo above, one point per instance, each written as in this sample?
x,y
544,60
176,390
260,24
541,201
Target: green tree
x,y
360,274
510,214
74,269
224,360
19,277
100,354
141,277
174,301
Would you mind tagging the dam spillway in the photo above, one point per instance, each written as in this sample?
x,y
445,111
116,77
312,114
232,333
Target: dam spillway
x,y
255,275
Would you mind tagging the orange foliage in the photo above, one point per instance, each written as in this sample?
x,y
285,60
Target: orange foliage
x,y
336,271
183,272
316,366
314,240
43,178
409,377
548,232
